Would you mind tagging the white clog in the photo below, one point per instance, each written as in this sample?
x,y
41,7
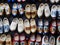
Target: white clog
x,y
46,10
40,10
13,24
20,25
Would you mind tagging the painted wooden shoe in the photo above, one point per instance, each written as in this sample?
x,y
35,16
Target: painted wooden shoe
x,y
45,40
40,26
33,25
20,25
16,39
53,11
14,9
1,9
7,9
20,9
22,40
40,10
2,39
18,0
53,27
52,40
8,40
46,10
27,11
32,40
13,24
46,26
33,11
6,25
27,26
38,40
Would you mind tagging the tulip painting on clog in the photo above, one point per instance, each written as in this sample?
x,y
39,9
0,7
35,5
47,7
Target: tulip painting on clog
x,y
33,11
6,25
20,9
32,40
14,9
52,40
16,39
53,27
45,40
46,26
40,26
53,11
7,9
58,40
22,39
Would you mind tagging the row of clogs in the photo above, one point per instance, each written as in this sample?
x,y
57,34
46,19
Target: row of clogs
x,y
31,10
29,26
16,0
33,40
6,8
52,1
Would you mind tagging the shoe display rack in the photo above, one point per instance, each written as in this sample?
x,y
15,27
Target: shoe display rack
x,y
30,22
